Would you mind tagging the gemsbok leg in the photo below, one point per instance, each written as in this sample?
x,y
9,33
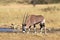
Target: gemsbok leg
x,y
29,29
42,26
34,28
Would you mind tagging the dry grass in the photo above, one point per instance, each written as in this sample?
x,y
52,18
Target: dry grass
x,y
14,13
21,36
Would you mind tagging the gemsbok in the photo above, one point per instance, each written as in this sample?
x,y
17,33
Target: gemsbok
x,y
33,20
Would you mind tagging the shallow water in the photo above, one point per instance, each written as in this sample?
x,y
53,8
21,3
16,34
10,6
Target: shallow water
x,y
7,30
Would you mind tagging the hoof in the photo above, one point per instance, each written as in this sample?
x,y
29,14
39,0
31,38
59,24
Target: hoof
x,y
23,31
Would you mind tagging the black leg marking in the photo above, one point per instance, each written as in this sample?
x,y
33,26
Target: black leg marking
x,y
29,26
41,26
34,26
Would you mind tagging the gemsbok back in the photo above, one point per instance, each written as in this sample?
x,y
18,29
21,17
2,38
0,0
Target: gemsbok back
x,y
33,20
